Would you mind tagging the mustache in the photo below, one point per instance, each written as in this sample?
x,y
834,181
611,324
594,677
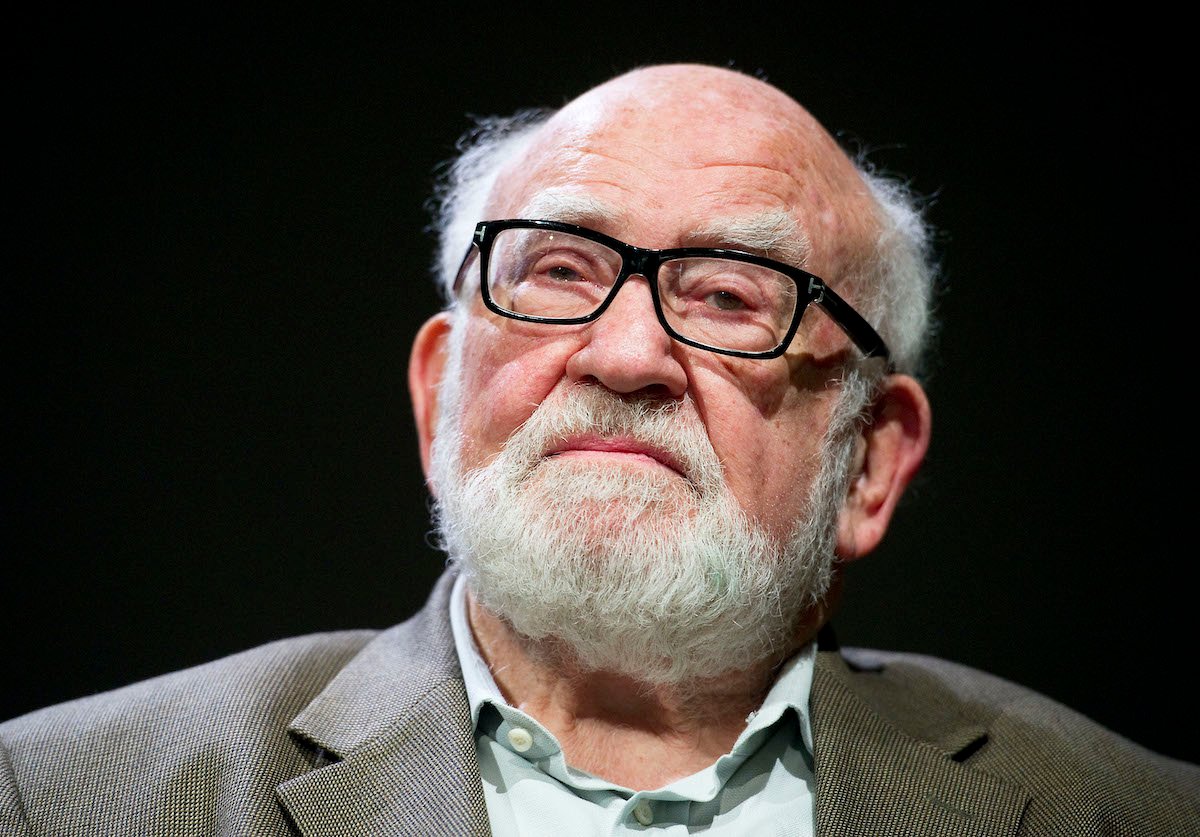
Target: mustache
x,y
671,426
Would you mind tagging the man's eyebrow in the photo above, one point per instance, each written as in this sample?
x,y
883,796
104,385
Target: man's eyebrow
x,y
772,233
569,207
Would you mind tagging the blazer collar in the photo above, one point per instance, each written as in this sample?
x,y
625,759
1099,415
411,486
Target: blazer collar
x,y
890,761
397,722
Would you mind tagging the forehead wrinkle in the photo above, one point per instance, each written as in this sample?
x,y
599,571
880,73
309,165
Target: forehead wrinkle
x,y
772,233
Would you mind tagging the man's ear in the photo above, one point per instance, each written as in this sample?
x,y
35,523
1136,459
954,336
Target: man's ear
x,y
425,367
889,452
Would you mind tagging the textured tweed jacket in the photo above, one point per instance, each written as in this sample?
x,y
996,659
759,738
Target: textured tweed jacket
x,y
365,733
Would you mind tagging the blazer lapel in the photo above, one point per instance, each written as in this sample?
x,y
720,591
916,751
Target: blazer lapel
x,y
873,777
396,725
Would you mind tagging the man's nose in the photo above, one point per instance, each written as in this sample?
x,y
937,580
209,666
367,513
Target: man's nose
x,y
627,350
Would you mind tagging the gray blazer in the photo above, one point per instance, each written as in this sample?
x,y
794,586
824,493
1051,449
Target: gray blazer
x,y
365,733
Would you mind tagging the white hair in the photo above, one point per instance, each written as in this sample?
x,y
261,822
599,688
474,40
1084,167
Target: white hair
x,y
465,182
896,292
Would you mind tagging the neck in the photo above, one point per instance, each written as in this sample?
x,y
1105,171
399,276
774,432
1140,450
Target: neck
x,y
637,735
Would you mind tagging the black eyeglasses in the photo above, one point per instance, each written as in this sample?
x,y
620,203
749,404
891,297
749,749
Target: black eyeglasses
x,y
724,301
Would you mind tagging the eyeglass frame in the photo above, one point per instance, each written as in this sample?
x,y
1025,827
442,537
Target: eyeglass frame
x,y
639,261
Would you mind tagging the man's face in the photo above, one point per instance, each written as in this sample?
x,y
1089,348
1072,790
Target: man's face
x,y
659,169
658,510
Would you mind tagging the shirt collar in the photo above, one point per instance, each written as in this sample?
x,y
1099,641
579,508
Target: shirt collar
x,y
789,691
477,677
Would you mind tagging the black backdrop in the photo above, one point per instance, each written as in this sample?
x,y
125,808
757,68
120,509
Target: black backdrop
x,y
218,260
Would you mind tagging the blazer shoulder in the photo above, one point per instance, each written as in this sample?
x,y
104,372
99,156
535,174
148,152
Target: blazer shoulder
x,y
885,673
1075,768
190,734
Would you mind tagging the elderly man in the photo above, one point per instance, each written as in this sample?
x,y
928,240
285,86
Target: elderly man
x,y
672,391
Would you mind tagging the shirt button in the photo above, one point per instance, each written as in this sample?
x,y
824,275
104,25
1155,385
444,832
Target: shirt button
x,y
643,813
520,739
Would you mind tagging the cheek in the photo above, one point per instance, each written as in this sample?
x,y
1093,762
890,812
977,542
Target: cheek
x,y
818,350
768,439
505,378
774,471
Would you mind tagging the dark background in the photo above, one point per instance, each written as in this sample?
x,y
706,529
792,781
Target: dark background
x,y
218,261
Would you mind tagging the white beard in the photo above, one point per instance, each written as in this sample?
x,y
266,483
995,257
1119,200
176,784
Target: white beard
x,y
632,570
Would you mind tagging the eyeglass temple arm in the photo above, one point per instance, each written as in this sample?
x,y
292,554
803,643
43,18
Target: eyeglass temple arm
x,y
856,328
458,276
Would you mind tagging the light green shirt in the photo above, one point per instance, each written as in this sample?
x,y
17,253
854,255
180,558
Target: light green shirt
x,y
763,786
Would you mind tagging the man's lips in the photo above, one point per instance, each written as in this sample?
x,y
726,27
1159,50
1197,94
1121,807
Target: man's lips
x,y
616,446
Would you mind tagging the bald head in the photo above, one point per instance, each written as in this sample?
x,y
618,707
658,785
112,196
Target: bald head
x,y
719,111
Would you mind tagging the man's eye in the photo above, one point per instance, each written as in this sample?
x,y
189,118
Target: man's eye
x,y
562,273
725,301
